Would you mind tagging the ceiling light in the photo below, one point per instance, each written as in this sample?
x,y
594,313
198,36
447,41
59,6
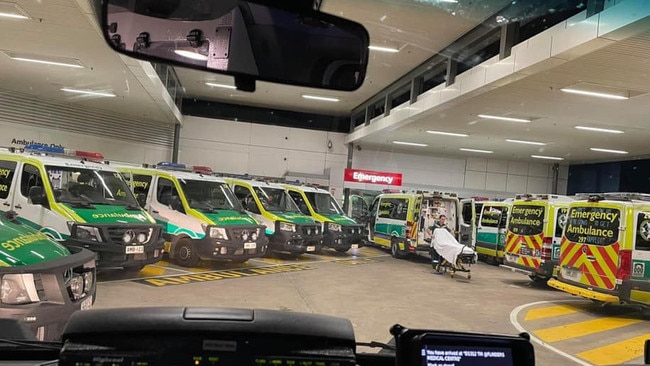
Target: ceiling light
x,y
383,49
608,151
409,143
476,150
449,1
526,142
88,92
12,11
507,119
324,99
595,129
45,60
447,133
546,157
594,94
191,55
225,86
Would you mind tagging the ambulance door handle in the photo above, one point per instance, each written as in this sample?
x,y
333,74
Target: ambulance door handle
x,y
155,211
6,204
18,206
591,258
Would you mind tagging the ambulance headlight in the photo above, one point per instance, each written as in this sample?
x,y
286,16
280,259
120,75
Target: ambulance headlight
x,y
218,233
287,226
141,237
334,227
89,279
244,235
89,233
17,289
254,236
76,286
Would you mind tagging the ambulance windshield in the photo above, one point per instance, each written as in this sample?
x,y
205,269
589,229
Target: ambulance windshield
x,y
324,203
209,196
88,186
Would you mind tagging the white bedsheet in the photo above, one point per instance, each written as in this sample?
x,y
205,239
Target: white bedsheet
x,y
446,245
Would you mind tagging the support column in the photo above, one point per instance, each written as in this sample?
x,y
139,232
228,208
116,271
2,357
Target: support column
x,y
346,191
176,145
509,36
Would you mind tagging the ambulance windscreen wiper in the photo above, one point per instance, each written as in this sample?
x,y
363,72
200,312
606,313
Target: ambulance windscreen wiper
x,y
79,203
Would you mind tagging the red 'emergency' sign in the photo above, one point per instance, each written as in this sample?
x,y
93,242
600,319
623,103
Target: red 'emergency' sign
x,y
368,176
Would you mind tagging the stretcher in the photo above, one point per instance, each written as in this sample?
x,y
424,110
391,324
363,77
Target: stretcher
x,y
454,257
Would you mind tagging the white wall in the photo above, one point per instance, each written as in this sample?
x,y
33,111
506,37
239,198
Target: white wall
x,y
15,135
468,176
239,147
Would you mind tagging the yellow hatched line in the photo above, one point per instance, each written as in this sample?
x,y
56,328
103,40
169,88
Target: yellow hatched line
x,y
580,329
616,353
550,311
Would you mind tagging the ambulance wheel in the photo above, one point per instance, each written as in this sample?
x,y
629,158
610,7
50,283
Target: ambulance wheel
x,y
537,278
394,249
342,250
185,254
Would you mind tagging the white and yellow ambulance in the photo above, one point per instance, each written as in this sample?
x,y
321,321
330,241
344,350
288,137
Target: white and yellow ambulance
x,y
202,218
491,230
534,233
605,252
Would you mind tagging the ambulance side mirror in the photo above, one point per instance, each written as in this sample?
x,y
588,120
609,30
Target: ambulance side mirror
x,y
176,203
142,200
37,196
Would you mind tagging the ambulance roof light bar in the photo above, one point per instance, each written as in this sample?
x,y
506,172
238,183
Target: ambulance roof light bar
x,y
60,151
166,165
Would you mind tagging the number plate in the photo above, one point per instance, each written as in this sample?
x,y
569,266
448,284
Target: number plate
x,y
355,246
135,249
571,274
311,249
250,245
87,304
525,251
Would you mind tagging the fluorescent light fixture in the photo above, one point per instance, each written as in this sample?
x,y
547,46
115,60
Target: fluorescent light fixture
x,y
447,133
594,94
608,151
191,55
383,49
324,99
507,119
595,129
409,143
13,16
218,85
88,92
476,150
12,11
526,142
449,1
546,157
44,60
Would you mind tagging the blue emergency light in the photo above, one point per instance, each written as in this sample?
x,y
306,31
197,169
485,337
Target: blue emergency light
x,y
170,165
56,150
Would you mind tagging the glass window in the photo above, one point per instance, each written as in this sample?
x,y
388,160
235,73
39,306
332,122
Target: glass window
x,y
593,225
7,171
324,203
208,196
275,200
527,219
642,241
166,190
491,216
393,208
302,205
31,177
84,186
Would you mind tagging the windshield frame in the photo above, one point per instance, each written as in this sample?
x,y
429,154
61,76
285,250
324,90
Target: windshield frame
x,y
289,205
101,176
235,204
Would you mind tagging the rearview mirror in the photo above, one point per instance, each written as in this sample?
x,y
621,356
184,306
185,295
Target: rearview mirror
x,y
276,41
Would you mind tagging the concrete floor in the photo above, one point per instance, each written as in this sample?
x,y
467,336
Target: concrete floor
x,y
373,290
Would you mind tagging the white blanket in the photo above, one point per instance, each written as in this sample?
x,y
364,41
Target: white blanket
x,y
446,245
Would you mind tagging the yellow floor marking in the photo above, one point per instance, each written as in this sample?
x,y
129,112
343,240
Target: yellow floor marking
x,y
616,353
580,329
152,271
550,311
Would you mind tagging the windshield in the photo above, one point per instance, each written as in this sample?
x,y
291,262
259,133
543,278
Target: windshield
x,y
276,200
209,196
324,203
89,186
497,101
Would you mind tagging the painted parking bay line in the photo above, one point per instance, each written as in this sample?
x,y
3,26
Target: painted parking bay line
x,y
581,329
616,353
550,312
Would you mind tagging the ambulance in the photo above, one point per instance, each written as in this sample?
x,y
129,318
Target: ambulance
x,y
399,221
77,200
534,234
201,217
340,232
491,230
605,252
289,230
42,282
